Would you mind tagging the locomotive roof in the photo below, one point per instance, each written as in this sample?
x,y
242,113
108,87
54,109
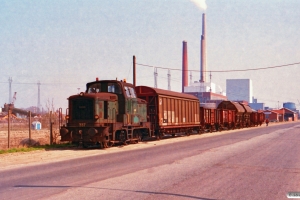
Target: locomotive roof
x,y
145,90
111,81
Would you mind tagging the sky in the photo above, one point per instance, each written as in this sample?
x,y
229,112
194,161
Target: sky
x,y
63,44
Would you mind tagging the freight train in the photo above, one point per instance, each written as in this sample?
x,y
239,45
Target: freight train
x,y
113,111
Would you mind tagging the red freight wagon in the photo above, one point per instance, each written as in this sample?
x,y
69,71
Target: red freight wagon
x,y
238,110
257,118
170,112
209,118
246,115
254,118
227,118
261,117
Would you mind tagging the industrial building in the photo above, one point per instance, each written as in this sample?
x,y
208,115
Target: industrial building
x,y
256,106
239,90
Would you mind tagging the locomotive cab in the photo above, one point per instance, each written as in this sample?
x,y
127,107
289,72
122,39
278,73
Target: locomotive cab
x,y
107,112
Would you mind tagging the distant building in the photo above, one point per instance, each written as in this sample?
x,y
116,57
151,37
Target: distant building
x,y
271,115
208,97
287,114
206,92
256,106
204,87
239,90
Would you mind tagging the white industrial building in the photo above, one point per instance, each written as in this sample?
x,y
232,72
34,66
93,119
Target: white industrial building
x,y
239,90
204,87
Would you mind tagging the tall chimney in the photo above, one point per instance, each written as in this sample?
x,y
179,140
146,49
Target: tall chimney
x,y
184,65
203,51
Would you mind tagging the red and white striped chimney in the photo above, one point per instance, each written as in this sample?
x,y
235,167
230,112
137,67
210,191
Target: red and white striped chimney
x,y
203,51
184,65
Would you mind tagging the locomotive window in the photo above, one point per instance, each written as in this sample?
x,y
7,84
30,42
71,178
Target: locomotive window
x,y
94,88
114,88
130,92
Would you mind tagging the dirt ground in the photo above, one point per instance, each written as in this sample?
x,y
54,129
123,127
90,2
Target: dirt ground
x,y
20,138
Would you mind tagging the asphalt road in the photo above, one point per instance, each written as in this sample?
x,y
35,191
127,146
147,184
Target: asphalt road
x,y
257,163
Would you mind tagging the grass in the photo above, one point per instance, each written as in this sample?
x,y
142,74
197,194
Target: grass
x,y
41,147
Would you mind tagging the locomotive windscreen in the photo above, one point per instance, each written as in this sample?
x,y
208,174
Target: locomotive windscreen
x,y
82,109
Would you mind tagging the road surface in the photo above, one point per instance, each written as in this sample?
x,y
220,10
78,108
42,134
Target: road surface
x,y
256,163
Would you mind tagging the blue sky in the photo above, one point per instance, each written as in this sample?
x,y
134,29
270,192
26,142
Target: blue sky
x,y
66,43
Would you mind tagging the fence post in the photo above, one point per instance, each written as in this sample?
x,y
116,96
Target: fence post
x,y
51,138
8,136
29,121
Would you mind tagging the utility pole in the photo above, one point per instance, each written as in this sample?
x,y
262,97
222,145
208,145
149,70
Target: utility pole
x,y
169,79
210,81
9,81
134,70
155,77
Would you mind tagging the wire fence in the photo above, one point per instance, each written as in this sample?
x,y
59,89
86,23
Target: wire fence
x,y
18,133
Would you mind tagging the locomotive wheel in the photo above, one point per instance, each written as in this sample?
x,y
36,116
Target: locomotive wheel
x,y
105,144
139,139
84,145
110,144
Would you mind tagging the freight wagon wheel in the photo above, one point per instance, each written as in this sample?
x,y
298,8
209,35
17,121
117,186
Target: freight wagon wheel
x,y
110,144
201,131
159,136
140,138
123,138
188,133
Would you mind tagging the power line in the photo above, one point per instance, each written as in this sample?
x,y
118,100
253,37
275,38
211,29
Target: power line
x,y
56,83
232,70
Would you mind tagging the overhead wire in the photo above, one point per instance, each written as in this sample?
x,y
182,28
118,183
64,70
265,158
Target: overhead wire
x,y
231,70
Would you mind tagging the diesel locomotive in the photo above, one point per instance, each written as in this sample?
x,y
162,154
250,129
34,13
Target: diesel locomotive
x,y
107,112
114,111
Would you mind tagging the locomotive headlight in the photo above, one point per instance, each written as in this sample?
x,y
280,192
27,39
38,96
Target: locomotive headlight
x,y
96,116
67,117
81,93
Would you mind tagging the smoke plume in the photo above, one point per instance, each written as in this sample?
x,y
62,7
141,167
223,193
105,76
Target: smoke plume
x,y
200,4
